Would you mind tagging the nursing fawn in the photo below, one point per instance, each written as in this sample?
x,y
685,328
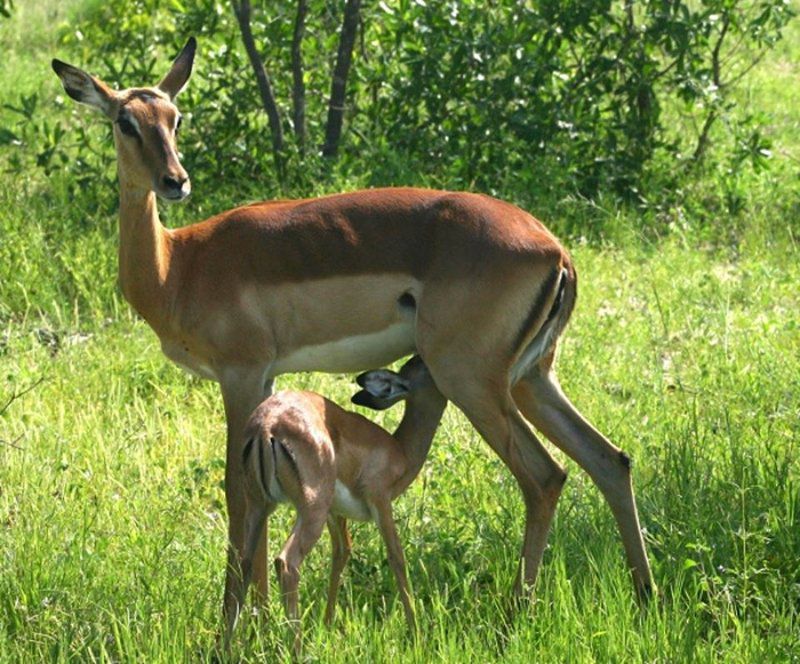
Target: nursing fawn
x,y
334,465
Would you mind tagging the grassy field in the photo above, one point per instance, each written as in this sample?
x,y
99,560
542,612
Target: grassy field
x,y
685,351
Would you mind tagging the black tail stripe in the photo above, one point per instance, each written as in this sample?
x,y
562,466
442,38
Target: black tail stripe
x,y
248,448
289,455
538,307
261,466
562,286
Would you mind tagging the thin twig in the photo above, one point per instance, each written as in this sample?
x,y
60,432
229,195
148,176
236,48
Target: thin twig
x,y
753,63
18,394
13,443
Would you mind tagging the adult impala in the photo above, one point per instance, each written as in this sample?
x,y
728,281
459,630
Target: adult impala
x,y
479,288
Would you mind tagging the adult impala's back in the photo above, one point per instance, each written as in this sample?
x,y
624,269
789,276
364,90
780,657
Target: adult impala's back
x,y
479,288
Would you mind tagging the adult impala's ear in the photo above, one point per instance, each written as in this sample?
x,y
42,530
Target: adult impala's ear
x,y
181,70
84,87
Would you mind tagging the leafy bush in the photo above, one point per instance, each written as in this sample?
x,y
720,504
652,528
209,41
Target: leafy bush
x,y
543,100
592,87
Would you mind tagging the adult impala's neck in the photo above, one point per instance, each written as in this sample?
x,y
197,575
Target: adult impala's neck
x,y
145,250
423,411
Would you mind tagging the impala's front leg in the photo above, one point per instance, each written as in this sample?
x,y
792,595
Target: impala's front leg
x,y
254,525
242,391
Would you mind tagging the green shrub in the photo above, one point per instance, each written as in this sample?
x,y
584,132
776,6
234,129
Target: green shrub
x,y
550,99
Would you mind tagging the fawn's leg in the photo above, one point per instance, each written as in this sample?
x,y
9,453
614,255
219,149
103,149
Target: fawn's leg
x,y
340,553
305,534
382,511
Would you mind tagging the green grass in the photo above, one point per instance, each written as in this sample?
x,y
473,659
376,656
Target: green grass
x,y
685,351
113,523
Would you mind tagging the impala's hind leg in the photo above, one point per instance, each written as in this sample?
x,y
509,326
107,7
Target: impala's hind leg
x,y
541,400
488,405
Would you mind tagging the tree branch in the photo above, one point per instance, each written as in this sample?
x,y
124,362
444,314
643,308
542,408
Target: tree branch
x,y
717,48
242,10
299,88
333,130
702,139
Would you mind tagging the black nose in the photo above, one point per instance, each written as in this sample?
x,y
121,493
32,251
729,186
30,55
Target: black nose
x,y
173,183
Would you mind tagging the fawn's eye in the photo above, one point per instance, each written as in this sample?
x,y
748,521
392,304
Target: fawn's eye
x,y
126,127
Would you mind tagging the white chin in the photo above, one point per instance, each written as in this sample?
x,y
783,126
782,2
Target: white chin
x,y
174,197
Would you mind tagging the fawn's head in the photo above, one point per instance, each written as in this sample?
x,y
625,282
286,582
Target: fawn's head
x,y
146,123
383,388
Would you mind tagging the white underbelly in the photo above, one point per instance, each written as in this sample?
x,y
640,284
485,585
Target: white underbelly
x,y
347,505
357,353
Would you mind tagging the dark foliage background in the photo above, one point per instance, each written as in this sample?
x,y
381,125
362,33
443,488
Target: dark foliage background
x,y
557,104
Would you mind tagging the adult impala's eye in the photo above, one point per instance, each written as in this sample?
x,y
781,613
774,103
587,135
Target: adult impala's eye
x,y
126,127
178,123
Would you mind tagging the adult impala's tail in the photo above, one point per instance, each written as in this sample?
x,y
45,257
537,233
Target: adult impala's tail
x,y
559,293
566,301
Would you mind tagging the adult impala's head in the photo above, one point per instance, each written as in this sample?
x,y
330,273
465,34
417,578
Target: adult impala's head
x,y
146,123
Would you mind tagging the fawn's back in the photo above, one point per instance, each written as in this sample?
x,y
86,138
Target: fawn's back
x,y
311,449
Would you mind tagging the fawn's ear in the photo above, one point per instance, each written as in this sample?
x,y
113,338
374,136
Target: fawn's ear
x,y
85,88
382,388
181,70
364,398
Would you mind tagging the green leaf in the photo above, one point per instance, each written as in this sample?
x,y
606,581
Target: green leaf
x,y
7,136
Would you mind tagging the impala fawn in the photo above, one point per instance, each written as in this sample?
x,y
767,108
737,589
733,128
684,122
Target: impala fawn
x,y
334,465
